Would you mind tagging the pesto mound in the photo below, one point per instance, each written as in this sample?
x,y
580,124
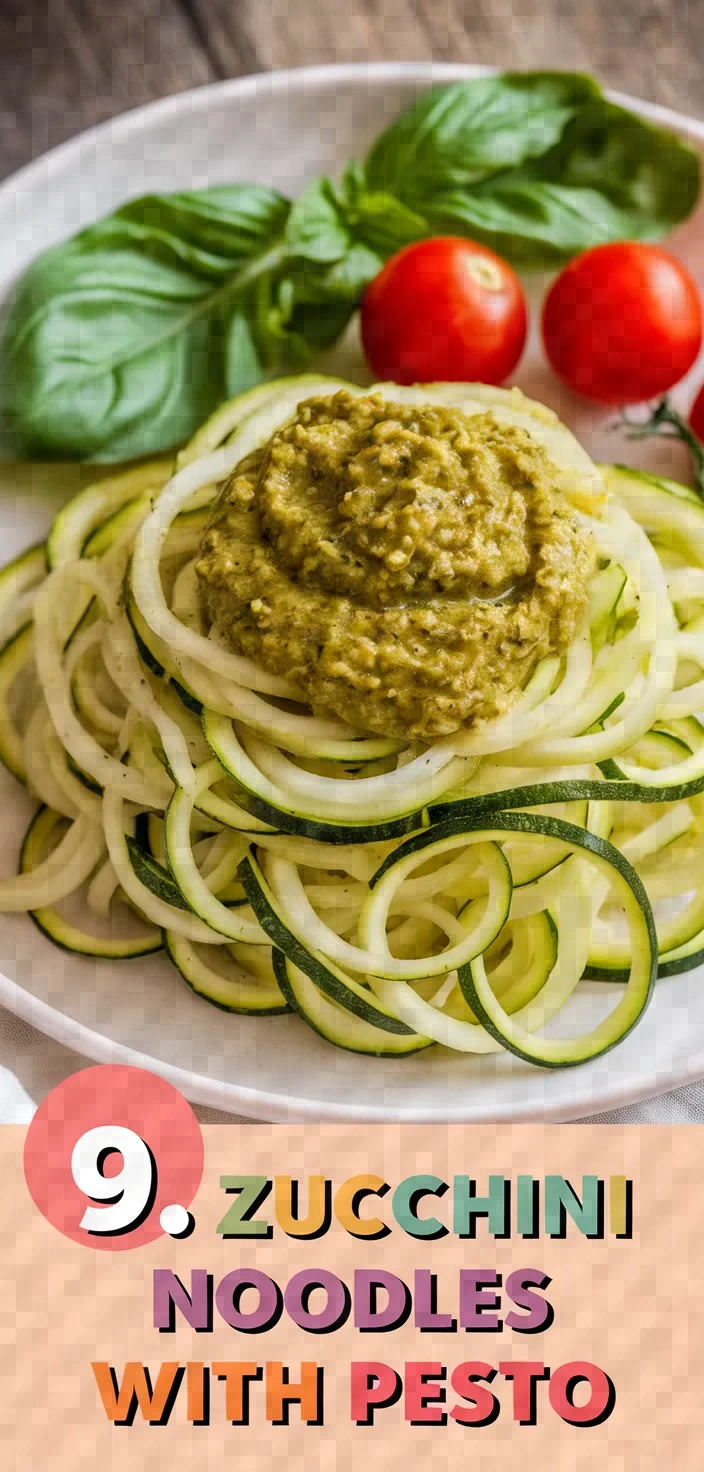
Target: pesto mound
x,y
406,566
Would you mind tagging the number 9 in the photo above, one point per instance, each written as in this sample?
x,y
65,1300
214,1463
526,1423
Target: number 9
x,y
130,1193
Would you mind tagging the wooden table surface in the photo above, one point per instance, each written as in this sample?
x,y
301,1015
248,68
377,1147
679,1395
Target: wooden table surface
x,y
65,64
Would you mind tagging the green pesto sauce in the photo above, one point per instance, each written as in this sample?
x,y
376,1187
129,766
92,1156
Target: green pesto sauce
x,y
406,566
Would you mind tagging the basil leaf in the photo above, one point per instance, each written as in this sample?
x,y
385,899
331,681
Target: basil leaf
x,y
377,219
456,136
347,279
243,365
101,355
538,166
387,225
118,343
648,175
316,229
531,224
211,231
121,341
311,308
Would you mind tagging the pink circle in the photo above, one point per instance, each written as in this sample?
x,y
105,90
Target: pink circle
x,y
112,1095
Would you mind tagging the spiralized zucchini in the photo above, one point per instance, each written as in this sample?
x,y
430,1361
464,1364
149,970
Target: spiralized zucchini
x,y
395,896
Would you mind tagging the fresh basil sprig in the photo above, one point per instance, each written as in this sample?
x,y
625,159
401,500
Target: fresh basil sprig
x,y
454,138
121,341
574,170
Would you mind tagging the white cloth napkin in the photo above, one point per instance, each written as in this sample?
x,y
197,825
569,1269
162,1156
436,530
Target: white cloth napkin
x,y
31,1065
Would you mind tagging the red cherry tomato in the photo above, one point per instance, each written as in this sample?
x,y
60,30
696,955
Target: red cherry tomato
x,y
622,323
696,417
444,310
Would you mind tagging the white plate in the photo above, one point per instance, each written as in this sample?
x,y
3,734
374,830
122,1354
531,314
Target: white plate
x,y
282,128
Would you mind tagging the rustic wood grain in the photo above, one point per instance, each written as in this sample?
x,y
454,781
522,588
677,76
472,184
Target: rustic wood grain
x,y
65,64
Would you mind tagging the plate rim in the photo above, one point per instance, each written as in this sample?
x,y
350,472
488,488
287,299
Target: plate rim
x,y
259,1104
295,79
256,1103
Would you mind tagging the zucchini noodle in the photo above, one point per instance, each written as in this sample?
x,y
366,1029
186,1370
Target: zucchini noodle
x,y
393,895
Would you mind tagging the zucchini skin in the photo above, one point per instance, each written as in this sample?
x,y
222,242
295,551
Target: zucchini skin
x,y
527,823
150,659
304,825
315,969
544,793
171,948
24,572
88,782
154,876
682,964
327,832
666,968
66,936
98,502
50,924
349,1033
14,656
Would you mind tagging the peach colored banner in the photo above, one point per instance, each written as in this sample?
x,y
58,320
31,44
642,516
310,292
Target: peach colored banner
x,y
629,1306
